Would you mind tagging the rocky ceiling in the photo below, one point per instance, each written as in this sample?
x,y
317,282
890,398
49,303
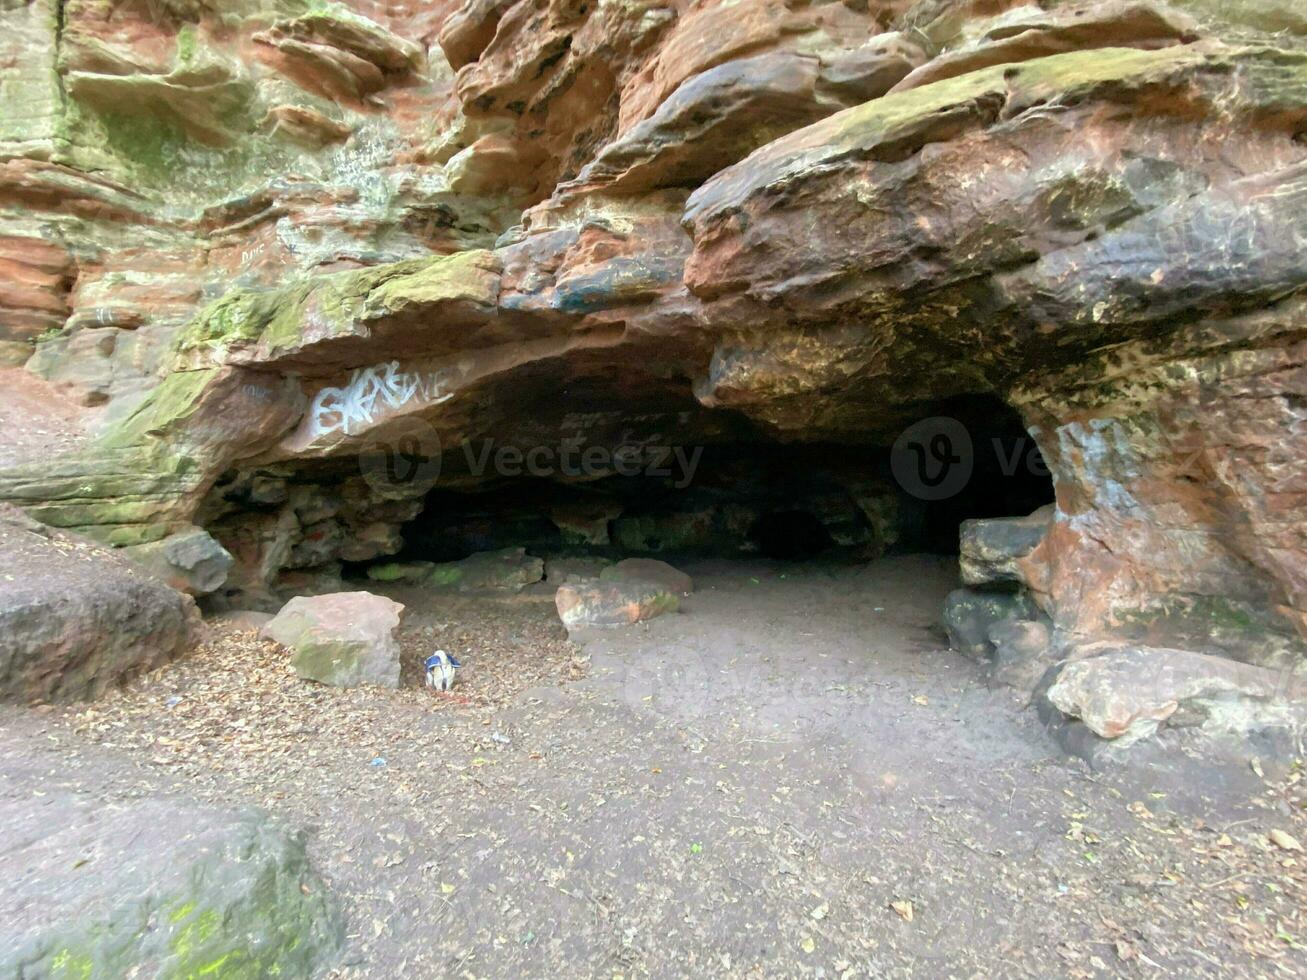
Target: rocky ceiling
x,y
264,236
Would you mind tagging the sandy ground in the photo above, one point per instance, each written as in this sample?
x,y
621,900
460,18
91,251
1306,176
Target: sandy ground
x,y
791,777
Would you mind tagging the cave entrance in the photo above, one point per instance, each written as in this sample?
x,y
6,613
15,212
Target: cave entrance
x,y
760,500
726,501
297,530
965,458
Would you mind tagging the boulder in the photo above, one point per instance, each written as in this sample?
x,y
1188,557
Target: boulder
x,y
401,571
76,618
991,547
509,569
651,572
1126,693
158,888
344,639
969,614
1022,653
599,603
562,571
190,561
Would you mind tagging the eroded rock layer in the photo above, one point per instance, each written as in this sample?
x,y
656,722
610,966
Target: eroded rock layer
x,y
259,239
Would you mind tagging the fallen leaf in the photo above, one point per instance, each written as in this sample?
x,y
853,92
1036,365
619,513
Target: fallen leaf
x,y
820,912
1285,842
807,944
903,907
921,699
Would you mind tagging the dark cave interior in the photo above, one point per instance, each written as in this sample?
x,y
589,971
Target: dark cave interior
x,y
785,502
299,528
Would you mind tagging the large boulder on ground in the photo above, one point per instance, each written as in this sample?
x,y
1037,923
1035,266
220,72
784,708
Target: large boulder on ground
x,y
158,888
1127,693
509,569
599,603
190,561
344,639
649,571
76,618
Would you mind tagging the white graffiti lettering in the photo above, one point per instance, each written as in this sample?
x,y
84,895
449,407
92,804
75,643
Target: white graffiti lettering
x,y
370,390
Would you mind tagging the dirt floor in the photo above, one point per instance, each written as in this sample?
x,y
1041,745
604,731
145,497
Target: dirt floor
x,y
791,777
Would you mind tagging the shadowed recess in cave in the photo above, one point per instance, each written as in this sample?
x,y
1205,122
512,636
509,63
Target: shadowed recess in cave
x,y
828,502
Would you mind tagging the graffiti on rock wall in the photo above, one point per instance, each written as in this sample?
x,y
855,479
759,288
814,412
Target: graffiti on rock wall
x,y
371,390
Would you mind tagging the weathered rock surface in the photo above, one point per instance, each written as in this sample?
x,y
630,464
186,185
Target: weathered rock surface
x,y
401,571
509,569
969,615
189,561
991,549
158,888
1023,652
75,618
1126,693
343,639
601,603
649,571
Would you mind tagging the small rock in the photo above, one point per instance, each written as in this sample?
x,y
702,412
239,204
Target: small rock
x,y
1284,841
969,614
401,571
509,569
1127,693
344,640
612,603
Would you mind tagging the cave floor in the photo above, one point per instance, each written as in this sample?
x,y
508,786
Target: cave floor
x,y
792,777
